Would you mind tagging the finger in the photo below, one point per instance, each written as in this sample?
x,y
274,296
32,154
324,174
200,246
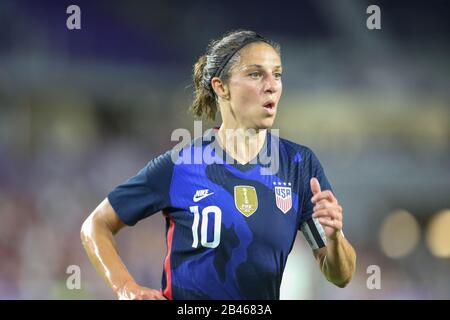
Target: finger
x,y
152,297
129,296
159,297
162,295
326,213
324,195
335,224
321,213
326,205
315,186
151,294
323,204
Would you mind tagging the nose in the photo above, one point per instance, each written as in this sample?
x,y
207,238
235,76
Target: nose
x,y
271,84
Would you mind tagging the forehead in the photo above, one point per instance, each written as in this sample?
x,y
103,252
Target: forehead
x,y
259,53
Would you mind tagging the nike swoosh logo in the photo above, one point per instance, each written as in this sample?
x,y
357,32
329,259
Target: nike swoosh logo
x,y
197,199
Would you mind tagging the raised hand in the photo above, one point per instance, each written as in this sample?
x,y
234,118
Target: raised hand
x,y
326,209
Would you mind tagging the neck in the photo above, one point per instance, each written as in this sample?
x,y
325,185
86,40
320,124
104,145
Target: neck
x,y
243,144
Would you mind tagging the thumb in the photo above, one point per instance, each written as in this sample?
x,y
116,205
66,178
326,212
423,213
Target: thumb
x,y
315,186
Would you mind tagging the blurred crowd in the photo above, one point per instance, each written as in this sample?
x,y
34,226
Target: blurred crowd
x,y
80,113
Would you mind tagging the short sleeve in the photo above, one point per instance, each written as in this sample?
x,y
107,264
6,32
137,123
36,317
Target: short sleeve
x,y
310,227
145,193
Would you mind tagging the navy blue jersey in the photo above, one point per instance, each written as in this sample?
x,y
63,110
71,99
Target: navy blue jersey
x,y
230,227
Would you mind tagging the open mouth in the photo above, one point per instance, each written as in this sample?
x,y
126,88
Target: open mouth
x,y
269,105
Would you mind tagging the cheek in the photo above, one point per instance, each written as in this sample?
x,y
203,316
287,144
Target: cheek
x,y
243,92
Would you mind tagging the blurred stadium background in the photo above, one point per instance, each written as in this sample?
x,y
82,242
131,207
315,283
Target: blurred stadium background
x,y
81,111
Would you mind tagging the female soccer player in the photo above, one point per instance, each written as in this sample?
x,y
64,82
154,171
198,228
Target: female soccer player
x,y
230,224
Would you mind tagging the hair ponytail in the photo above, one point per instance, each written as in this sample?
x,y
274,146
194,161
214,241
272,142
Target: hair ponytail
x,y
204,102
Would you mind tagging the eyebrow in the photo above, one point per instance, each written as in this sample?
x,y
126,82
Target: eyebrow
x,y
258,66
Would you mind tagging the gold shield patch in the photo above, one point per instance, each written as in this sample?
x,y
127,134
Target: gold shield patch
x,y
245,199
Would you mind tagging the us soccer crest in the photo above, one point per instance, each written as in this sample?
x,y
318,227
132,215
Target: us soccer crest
x,y
283,198
246,200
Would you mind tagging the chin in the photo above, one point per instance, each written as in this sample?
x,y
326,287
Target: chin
x,y
266,123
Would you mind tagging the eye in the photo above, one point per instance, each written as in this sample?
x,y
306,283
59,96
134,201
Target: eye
x,y
278,75
255,75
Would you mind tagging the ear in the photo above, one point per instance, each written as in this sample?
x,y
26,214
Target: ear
x,y
220,88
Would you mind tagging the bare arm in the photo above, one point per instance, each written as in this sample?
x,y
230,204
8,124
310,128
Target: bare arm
x,y
97,237
337,260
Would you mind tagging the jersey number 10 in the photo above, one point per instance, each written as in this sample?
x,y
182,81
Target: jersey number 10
x,y
204,227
